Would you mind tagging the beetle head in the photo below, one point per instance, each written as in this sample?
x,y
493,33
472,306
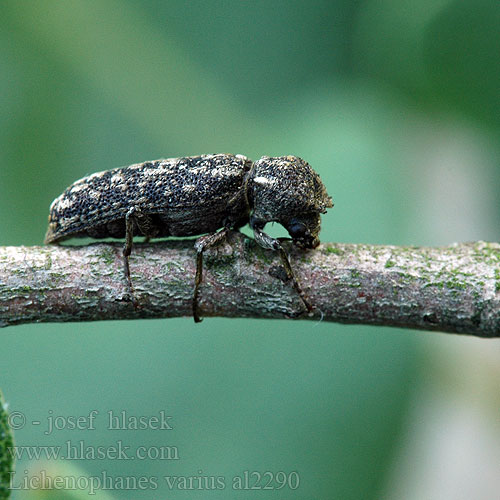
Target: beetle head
x,y
287,190
304,230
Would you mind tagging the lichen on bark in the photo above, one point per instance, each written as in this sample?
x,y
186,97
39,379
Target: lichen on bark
x,y
451,289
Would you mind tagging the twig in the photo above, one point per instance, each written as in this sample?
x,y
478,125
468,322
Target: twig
x,y
453,289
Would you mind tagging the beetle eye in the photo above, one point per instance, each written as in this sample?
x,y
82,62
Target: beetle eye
x,y
297,230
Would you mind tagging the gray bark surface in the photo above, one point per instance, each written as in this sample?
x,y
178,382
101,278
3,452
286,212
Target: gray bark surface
x,y
450,289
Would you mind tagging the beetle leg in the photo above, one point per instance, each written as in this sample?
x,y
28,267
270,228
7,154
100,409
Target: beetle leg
x,y
127,249
202,244
266,241
144,223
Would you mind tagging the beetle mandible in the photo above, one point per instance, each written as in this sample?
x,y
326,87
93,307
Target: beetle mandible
x,y
196,195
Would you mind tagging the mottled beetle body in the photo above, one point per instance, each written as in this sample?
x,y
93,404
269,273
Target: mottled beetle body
x,y
191,196
181,196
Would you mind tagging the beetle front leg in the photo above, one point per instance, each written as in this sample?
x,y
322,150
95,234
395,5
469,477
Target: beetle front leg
x,y
202,244
266,241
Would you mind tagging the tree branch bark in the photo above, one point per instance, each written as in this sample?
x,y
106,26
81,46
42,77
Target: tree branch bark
x,y
450,289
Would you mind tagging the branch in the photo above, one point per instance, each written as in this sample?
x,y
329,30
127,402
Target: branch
x,y
452,289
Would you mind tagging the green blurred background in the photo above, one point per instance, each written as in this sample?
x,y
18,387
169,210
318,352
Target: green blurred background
x,y
395,103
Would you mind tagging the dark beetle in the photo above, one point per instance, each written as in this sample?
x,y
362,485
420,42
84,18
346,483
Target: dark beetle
x,y
195,195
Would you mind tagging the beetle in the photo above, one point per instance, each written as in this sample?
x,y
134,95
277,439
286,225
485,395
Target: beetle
x,y
207,194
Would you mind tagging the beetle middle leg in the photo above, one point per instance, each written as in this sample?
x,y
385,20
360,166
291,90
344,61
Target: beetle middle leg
x,y
266,241
135,219
202,244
